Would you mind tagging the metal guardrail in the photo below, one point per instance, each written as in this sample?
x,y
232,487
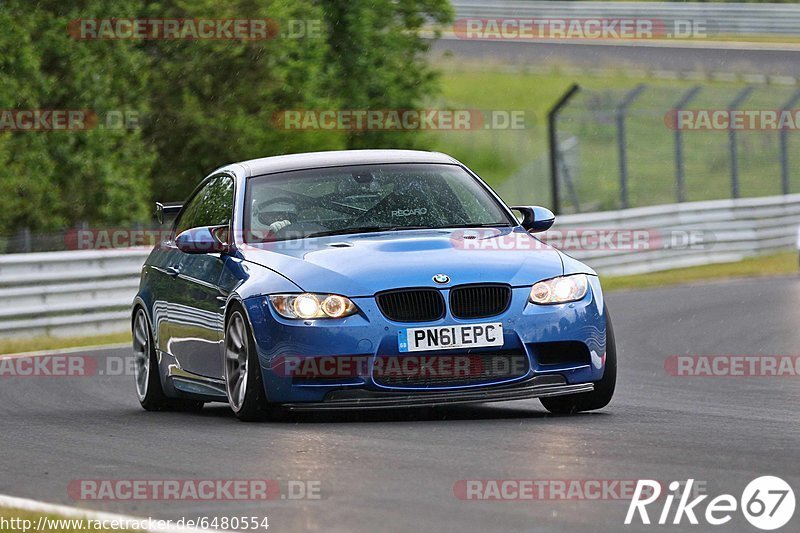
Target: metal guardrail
x,y
90,292
719,18
727,230
68,293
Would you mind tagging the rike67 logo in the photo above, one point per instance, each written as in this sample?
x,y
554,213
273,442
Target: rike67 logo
x,y
767,502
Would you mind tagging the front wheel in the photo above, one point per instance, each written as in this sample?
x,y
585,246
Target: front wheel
x,y
603,389
244,383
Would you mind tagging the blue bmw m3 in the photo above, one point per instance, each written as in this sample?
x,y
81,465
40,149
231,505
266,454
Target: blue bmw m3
x,y
364,279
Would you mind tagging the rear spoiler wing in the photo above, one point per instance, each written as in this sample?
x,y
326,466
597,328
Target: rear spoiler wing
x,y
166,209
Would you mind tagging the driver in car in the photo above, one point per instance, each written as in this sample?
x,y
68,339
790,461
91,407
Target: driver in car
x,y
264,230
276,226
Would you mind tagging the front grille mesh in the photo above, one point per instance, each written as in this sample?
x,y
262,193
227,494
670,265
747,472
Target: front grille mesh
x,y
413,305
479,301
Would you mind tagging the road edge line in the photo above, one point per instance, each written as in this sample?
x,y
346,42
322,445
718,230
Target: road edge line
x,y
62,351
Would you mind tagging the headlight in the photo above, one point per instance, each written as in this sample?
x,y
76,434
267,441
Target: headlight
x,y
305,306
560,290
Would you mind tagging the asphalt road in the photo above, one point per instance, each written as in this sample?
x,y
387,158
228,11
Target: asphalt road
x,y
677,56
397,470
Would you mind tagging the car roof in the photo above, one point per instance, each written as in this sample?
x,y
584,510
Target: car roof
x,y
338,158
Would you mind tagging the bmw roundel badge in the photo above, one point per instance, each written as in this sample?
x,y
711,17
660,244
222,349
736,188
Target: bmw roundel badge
x,y
441,278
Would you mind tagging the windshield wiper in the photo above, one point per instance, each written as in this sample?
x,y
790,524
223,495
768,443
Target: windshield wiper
x,y
362,229
489,225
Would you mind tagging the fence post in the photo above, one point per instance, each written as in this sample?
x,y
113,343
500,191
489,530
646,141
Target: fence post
x,y
622,108
563,148
688,96
785,145
552,117
737,101
27,241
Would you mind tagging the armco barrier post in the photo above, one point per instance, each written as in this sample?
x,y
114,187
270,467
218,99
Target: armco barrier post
x,y
552,119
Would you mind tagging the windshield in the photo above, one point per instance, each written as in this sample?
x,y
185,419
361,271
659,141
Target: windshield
x,y
366,198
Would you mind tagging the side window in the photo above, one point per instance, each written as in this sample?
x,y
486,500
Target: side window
x,y
211,206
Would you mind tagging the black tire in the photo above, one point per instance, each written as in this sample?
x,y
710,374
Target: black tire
x,y
254,406
152,397
603,389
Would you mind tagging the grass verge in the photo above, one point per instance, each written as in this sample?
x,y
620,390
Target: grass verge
x,y
12,346
784,263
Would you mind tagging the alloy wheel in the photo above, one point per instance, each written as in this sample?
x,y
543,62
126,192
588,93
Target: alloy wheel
x,y
236,355
141,350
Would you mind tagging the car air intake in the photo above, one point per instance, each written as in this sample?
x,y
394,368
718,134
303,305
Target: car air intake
x,y
479,301
562,353
411,305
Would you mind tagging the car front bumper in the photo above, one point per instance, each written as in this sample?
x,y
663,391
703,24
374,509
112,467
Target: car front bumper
x,y
527,328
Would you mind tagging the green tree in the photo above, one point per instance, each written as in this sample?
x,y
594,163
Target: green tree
x,y
202,103
56,178
378,60
214,102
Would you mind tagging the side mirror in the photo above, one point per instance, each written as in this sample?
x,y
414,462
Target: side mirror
x,y
204,240
535,218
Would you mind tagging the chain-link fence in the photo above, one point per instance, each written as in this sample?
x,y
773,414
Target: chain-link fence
x,y
660,144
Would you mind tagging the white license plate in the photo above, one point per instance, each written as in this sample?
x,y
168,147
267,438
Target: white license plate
x,y
450,337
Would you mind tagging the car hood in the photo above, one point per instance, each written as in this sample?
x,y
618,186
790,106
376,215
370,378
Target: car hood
x,y
361,265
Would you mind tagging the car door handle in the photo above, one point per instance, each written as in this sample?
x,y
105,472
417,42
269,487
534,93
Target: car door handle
x,y
172,271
